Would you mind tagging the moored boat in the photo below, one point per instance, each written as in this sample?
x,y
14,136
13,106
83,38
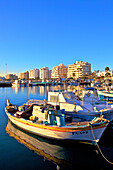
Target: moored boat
x,y
90,104
105,95
19,83
44,120
90,95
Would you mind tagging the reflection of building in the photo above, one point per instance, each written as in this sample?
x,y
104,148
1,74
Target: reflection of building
x,y
11,77
41,90
32,90
24,75
79,69
33,74
16,89
45,73
59,71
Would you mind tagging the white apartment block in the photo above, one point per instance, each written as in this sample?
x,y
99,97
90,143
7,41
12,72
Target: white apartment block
x,y
79,69
45,73
33,74
59,71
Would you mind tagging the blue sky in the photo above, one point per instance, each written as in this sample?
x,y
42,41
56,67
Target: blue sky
x,y
39,33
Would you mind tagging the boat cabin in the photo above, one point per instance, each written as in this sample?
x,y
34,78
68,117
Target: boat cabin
x,y
61,97
68,101
90,95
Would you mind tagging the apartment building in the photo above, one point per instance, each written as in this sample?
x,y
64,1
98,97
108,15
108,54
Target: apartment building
x,y
79,69
24,75
11,77
33,74
59,71
44,73
50,72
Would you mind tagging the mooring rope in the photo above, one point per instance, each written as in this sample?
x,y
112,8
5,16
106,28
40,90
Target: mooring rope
x,y
99,147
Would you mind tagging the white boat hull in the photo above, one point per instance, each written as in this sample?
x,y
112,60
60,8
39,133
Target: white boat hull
x,y
61,133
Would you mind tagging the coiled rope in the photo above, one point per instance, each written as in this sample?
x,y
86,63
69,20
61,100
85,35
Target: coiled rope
x,y
99,147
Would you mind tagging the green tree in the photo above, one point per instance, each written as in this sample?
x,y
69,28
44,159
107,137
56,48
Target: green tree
x,y
98,71
107,69
107,74
102,77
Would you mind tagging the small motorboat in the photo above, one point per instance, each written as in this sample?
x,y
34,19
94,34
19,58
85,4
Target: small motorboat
x,y
45,120
105,95
90,95
89,105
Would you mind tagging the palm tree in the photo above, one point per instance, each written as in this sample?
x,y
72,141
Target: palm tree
x,y
107,69
107,74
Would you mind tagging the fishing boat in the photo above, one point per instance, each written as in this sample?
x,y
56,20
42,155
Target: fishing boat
x,y
46,121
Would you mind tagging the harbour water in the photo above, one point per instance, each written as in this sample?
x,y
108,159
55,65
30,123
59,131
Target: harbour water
x,y
21,150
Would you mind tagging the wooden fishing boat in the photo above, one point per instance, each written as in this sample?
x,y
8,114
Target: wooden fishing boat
x,y
45,121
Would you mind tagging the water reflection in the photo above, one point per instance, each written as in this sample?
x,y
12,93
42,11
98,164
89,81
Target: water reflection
x,y
44,89
65,156
16,89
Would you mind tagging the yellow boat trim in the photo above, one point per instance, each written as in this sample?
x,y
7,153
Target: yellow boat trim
x,y
61,129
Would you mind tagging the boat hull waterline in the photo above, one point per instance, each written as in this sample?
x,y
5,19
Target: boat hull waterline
x,y
73,133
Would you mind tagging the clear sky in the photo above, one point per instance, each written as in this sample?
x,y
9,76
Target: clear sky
x,y
39,33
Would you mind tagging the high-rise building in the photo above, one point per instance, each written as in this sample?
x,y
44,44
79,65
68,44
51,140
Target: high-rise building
x,y
33,74
44,73
79,69
50,72
24,75
59,71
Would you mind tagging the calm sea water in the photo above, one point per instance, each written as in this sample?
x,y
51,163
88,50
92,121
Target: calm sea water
x,y
21,150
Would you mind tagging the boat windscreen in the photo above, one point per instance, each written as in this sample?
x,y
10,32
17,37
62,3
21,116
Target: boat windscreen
x,y
69,96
